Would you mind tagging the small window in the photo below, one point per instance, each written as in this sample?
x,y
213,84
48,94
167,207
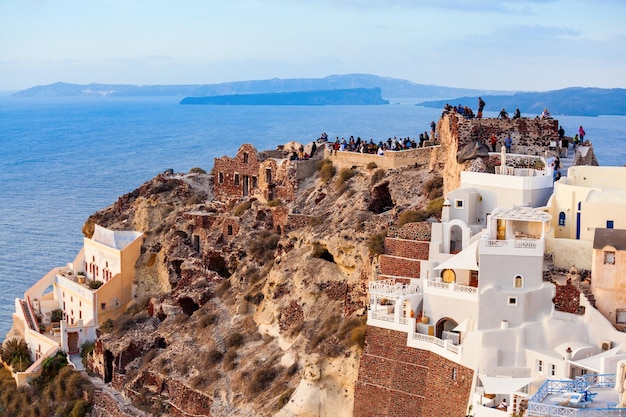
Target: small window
x,y
254,182
620,316
519,281
230,230
512,301
609,224
553,370
236,179
539,366
245,157
609,257
458,204
454,374
562,218
221,178
103,306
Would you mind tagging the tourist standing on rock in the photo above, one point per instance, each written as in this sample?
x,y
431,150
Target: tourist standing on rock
x,y
508,143
493,140
581,134
481,106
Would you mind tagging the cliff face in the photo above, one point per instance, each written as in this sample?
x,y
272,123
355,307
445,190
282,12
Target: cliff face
x,y
255,308
231,317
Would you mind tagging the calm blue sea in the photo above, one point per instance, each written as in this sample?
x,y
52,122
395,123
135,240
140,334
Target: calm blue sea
x,y
62,159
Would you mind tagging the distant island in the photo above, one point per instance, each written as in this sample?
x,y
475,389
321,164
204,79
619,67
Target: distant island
x,y
574,101
351,96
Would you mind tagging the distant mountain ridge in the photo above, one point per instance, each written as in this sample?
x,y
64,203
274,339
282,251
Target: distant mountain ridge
x,y
573,101
390,88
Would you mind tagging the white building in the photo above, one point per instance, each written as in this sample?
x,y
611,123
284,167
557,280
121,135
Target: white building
x,y
65,307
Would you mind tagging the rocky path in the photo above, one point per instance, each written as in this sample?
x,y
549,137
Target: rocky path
x,y
122,404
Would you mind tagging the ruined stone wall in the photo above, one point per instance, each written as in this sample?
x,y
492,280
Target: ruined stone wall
x,y
105,406
228,171
395,380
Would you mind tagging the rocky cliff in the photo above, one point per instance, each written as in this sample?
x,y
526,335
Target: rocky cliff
x,y
257,308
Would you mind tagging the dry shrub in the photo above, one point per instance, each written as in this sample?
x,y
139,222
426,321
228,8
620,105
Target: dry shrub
x,y
371,165
433,188
284,398
378,175
434,207
197,170
263,244
261,379
344,176
352,331
211,358
222,288
230,360
234,340
242,208
208,319
326,169
275,202
411,216
376,243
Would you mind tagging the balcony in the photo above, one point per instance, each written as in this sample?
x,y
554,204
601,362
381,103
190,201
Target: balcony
x,y
392,287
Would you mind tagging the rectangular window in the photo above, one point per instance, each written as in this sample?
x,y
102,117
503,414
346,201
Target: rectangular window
x,y
512,301
609,224
254,182
620,316
609,257
539,366
553,370
245,157
221,178
236,179
103,306
458,204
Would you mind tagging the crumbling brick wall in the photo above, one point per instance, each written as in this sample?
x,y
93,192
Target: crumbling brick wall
x,y
231,176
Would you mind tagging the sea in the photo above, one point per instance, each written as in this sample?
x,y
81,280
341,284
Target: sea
x,y
62,159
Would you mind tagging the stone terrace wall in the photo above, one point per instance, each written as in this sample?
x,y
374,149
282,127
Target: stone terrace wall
x,y
412,231
399,267
105,406
524,131
345,159
406,248
398,381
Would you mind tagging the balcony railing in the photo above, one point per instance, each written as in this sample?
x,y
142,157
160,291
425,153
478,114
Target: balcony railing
x,y
391,287
452,287
513,243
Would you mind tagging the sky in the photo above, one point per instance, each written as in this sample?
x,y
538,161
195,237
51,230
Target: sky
x,y
531,45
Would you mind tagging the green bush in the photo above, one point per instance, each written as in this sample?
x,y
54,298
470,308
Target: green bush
x,y
94,285
275,203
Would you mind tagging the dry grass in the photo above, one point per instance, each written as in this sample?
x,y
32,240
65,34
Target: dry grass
x,y
326,169
376,243
241,208
377,176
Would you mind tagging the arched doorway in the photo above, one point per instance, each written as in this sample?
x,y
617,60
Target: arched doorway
x,y
445,324
456,239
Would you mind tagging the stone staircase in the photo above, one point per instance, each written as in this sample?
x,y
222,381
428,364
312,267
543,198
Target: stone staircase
x,y
28,316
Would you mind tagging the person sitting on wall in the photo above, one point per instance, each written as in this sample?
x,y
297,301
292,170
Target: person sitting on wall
x,y
546,114
517,114
503,115
503,406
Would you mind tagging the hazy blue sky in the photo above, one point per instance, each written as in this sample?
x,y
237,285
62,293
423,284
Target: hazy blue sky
x,y
489,44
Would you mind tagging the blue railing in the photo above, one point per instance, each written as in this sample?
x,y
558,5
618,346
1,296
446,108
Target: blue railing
x,y
536,407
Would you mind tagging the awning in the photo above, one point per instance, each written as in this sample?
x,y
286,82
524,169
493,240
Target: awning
x,y
594,363
466,259
503,384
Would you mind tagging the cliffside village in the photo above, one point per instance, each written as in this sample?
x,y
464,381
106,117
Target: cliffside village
x,y
512,302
